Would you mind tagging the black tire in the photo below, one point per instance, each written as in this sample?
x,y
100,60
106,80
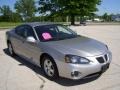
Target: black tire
x,y
55,75
10,49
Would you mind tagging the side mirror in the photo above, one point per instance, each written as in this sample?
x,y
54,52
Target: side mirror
x,y
31,39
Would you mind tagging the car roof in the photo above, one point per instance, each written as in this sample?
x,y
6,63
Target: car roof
x,y
33,24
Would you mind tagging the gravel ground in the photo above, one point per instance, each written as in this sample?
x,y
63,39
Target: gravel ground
x,y
17,74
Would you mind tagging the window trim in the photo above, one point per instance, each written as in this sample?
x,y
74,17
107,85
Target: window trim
x,y
33,31
18,30
24,32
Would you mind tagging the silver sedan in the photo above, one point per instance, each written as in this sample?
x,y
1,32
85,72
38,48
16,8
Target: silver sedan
x,y
58,50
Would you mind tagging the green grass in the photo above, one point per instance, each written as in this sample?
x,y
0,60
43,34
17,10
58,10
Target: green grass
x,y
7,25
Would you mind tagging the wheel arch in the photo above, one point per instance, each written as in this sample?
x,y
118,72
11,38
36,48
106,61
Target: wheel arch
x,y
48,55
43,55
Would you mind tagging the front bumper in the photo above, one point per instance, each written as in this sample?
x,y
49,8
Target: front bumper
x,y
78,71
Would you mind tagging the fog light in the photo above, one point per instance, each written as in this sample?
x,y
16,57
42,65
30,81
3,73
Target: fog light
x,y
75,74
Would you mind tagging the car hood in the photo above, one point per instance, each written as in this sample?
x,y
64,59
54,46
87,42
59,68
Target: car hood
x,y
81,46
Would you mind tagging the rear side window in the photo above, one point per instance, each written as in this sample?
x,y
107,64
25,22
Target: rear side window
x,y
25,31
20,31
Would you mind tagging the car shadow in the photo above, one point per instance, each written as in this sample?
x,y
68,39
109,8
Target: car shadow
x,y
38,70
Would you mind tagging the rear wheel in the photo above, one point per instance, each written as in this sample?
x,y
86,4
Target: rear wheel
x,y
49,68
10,49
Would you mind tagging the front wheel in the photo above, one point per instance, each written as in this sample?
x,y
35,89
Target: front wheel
x,y
49,68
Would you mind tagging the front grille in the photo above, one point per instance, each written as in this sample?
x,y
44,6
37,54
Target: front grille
x,y
100,59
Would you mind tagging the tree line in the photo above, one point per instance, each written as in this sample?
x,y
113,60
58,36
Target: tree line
x,y
49,10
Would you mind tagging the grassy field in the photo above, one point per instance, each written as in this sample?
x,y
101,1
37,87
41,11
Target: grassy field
x,y
6,25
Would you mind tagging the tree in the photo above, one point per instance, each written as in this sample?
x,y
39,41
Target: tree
x,y
107,17
16,17
70,8
26,8
6,13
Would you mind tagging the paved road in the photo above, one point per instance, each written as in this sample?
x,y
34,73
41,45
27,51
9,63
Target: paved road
x,y
17,74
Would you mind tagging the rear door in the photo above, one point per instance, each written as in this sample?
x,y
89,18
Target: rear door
x,y
19,40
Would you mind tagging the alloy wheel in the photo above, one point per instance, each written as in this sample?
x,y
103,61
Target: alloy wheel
x,y
48,67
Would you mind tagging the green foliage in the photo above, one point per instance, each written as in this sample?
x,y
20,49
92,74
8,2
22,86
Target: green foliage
x,y
6,13
16,17
5,10
26,8
8,16
70,8
51,10
107,18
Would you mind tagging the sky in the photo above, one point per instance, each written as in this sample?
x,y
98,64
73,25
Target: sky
x,y
107,6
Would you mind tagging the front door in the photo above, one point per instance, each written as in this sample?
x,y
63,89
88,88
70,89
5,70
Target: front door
x,y
32,50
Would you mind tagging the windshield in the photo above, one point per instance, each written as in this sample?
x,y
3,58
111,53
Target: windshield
x,y
54,32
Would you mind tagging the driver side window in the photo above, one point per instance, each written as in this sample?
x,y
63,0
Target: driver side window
x,y
29,32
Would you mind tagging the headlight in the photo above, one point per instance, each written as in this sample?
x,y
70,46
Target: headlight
x,y
76,59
